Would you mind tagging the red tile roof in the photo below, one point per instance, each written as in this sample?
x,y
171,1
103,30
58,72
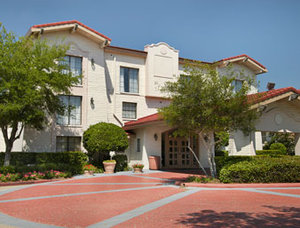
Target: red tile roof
x,y
147,119
262,96
252,98
70,22
243,55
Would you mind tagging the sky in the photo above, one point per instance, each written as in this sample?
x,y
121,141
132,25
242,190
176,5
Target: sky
x,y
206,30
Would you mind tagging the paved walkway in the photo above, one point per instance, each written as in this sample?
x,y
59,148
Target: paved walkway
x,y
146,200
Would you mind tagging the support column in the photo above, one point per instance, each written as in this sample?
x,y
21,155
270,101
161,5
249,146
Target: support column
x,y
297,144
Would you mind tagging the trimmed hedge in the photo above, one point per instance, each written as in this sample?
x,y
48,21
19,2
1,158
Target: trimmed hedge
x,y
122,162
271,153
62,161
221,153
259,169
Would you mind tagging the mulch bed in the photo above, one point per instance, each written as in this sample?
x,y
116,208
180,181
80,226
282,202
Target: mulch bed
x,y
30,182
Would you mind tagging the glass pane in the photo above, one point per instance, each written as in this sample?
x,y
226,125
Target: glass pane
x,y
170,142
183,156
74,143
171,149
133,81
129,110
183,162
63,119
170,156
122,89
170,162
175,162
175,149
175,142
75,110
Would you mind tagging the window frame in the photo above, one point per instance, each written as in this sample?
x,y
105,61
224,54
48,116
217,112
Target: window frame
x,y
122,87
126,117
68,143
69,114
234,83
138,145
70,70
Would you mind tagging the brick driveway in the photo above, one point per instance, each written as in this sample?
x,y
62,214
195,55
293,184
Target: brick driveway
x,y
147,200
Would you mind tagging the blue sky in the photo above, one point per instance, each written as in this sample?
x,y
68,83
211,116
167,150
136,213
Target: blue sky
x,y
266,30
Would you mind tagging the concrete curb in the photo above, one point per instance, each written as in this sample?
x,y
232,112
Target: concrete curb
x,y
254,185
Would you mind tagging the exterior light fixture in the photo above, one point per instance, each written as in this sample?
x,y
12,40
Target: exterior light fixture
x,y
92,101
155,137
93,62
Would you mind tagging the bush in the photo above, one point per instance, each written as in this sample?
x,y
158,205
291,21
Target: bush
x,y
287,139
122,162
221,153
271,153
280,147
103,138
262,169
63,161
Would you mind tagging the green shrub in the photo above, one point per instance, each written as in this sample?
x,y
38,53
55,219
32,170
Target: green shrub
x,y
63,161
122,162
271,153
221,153
262,169
7,169
280,147
103,138
287,139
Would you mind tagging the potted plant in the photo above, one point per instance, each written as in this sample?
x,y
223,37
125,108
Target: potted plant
x,y
138,168
103,138
89,169
109,166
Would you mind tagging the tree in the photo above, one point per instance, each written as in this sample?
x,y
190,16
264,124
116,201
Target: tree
x,y
204,101
103,138
30,80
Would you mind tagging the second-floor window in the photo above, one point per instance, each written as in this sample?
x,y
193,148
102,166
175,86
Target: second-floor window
x,y
72,115
75,66
129,110
129,80
237,84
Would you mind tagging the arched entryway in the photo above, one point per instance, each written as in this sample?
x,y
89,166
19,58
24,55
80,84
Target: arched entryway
x,y
175,151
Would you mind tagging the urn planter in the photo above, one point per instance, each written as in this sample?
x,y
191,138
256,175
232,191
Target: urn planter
x,y
109,166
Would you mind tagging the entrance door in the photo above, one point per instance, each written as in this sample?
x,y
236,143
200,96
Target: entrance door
x,y
177,154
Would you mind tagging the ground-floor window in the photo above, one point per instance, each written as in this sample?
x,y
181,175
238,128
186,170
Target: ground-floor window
x,y
68,143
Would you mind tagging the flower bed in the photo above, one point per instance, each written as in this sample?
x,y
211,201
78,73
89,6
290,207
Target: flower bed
x,y
12,177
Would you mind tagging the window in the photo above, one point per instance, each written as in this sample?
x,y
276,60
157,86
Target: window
x,y
72,115
66,143
129,80
138,145
237,84
129,110
75,65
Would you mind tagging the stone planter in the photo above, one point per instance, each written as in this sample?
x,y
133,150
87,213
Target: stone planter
x,y
137,170
109,167
88,172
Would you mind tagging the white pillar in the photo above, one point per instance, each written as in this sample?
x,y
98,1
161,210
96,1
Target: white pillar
x,y
297,144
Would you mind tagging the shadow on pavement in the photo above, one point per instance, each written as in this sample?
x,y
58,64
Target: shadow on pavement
x,y
281,217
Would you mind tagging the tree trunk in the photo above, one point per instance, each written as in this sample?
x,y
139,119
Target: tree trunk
x,y
209,144
8,153
9,141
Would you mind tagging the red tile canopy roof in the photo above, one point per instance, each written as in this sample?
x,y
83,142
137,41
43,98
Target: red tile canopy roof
x,y
243,55
252,98
262,96
70,22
